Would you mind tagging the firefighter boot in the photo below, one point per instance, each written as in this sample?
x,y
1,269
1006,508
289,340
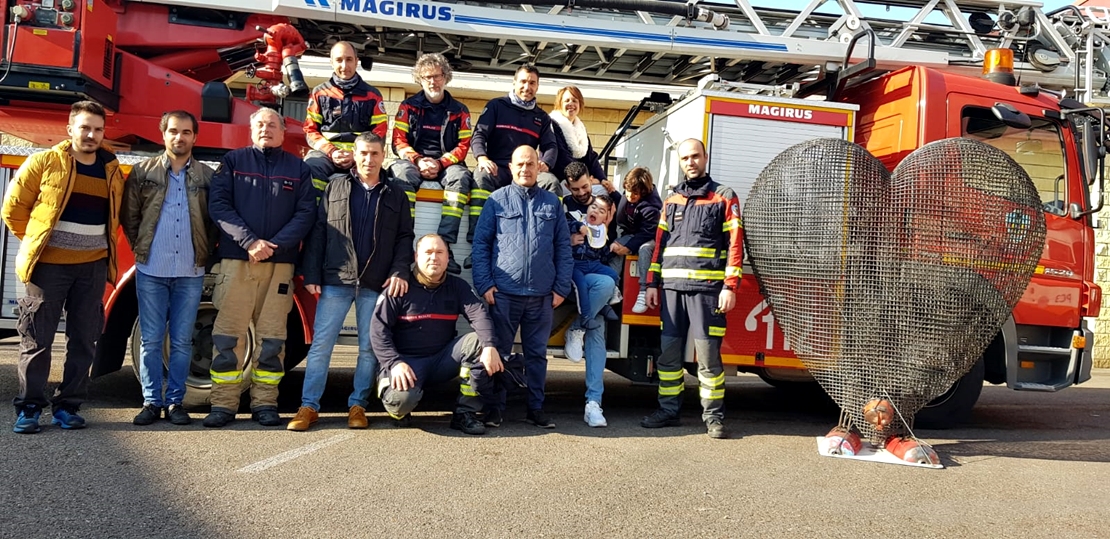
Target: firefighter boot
x,y
669,368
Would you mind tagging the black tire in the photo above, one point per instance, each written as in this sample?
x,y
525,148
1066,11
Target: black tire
x,y
954,406
789,385
198,384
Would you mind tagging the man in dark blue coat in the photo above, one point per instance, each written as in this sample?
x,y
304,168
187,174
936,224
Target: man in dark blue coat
x,y
522,267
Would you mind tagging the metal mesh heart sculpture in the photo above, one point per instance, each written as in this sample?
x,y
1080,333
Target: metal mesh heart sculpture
x,y
889,287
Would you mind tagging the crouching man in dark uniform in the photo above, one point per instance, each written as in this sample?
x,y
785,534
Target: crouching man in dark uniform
x,y
415,341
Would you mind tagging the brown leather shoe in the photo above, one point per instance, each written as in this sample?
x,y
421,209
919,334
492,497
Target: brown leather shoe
x,y
305,418
356,418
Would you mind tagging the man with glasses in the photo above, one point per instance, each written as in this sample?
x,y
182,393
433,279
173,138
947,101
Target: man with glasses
x,y
431,137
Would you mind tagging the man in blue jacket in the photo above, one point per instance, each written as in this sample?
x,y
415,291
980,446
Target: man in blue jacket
x,y
522,267
263,201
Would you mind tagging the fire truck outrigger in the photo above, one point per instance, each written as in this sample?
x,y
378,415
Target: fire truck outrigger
x,y
891,85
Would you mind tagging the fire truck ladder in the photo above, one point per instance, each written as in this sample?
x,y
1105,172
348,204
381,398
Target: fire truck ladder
x,y
675,42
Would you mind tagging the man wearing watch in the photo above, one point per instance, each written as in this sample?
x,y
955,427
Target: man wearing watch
x,y
697,262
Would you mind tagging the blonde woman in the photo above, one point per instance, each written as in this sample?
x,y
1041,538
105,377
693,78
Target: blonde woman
x,y
574,143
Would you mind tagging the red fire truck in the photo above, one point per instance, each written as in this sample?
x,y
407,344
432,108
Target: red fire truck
x,y
918,81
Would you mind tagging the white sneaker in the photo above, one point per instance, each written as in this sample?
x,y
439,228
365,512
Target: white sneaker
x,y
573,348
593,416
641,303
617,297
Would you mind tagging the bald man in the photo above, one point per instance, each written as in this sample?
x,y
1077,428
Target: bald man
x,y
522,267
339,110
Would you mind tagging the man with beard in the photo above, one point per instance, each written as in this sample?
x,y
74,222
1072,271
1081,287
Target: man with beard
x,y
165,218
63,205
697,261
507,123
414,339
431,137
339,110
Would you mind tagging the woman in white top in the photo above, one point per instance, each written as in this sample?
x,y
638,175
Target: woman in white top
x,y
574,142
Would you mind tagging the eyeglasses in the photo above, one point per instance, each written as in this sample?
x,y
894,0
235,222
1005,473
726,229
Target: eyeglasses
x,y
432,78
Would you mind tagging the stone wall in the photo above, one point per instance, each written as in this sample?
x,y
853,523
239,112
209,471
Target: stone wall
x,y
1102,278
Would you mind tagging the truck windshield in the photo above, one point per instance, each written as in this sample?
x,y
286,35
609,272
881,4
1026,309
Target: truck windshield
x,y
1039,150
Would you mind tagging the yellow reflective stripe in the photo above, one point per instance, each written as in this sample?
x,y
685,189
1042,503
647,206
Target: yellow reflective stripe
x,y
711,394
228,377
451,212
712,382
697,252
475,210
411,195
655,267
730,225
716,331
670,375
379,118
451,196
343,145
733,271
467,391
412,211
451,157
701,275
267,377
670,391
316,117
663,225
476,194
403,126
464,372
391,414
465,133
319,184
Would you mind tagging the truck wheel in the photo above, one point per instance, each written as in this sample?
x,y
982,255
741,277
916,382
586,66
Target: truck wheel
x,y
954,406
198,384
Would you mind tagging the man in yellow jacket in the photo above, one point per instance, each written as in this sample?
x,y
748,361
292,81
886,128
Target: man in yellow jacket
x,y
63,205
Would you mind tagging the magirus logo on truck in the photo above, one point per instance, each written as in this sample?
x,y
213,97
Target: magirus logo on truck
x,y
411,10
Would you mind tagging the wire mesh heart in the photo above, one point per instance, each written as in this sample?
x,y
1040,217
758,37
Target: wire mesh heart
x,y
889,287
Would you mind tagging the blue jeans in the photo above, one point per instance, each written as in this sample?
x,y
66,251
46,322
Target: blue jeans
x,y
331,310
588,304
166,304
598,288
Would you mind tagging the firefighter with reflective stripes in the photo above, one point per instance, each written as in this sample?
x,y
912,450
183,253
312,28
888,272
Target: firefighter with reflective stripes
x,y
339,110
431,137
697,262
415,340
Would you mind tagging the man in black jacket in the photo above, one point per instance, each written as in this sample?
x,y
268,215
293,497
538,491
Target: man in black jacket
x,y
360,246
415,339
262,199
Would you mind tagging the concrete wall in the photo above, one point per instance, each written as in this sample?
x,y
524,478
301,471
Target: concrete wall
x,y
1102,278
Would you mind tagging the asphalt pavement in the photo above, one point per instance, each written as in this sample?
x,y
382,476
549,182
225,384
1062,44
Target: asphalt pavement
x,y
1027,465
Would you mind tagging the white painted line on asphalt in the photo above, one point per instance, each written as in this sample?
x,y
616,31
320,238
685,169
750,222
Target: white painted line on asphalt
x,y
287,456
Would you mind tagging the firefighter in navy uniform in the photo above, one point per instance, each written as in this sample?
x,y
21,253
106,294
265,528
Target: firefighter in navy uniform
x,y
697,261
339,110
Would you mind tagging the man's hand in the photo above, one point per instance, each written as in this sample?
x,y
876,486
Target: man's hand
x,y
543,167
260,250
584,230
619,249
401,377
342,158
608,185
313,289
556,300
396,286
652,298
726,301
577,239
491,360
485,164
489,295
429,168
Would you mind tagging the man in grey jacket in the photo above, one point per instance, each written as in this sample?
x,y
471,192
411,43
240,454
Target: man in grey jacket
x,y
165,218
522,267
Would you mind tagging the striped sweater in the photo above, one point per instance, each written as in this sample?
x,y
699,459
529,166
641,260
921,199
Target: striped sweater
x,y
81,234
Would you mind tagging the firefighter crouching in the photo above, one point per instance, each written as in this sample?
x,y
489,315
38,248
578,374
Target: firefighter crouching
x,y
261,198
415,341
697,261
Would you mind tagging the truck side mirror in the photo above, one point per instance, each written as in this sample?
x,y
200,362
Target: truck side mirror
x,y
1012,117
